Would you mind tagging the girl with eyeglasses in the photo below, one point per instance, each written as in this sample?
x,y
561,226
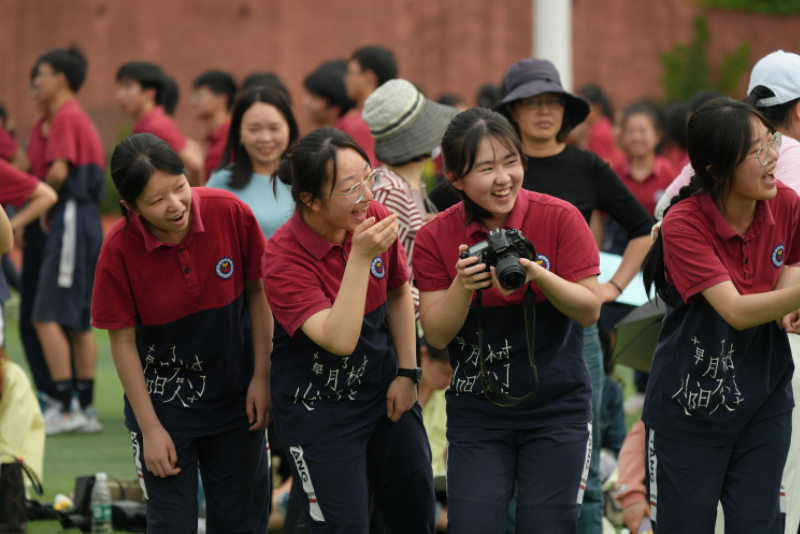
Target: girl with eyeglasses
x,y
544,114
719,401
344,366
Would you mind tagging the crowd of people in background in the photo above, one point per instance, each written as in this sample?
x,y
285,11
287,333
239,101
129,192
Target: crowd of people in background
x,y
359,239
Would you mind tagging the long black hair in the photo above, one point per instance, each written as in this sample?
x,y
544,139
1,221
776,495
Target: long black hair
x,y
134,162
460,148
719,135
242,170
310,163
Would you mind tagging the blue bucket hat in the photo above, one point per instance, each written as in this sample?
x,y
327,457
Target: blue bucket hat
x,y
530,77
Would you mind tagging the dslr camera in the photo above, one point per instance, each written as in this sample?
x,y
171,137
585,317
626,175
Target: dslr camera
x,y
502,250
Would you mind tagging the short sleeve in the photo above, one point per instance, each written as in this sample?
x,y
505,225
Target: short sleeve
x,y
577,250
62,142
16,187
168,132
251,242
691,260
674,188
294,295
8,146
787,169
430,272
618,201
113,305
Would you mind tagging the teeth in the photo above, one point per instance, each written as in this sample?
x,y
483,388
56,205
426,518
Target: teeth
x,y
502,193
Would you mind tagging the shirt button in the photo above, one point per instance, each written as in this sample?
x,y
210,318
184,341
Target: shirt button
x,y
180,250
745,261
186,270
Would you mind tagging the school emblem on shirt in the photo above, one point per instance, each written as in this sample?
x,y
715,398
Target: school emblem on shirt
x,y
377,269
777,255
544,261
225,268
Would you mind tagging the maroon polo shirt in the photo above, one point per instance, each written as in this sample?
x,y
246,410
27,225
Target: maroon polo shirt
x,y
650,190
216,146
17,186
701,248
188,305
158,123
8,146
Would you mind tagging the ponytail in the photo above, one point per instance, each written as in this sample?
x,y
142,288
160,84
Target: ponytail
x,y
653,268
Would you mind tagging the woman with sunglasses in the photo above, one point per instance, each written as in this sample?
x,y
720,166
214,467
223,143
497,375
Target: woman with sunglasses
x,y
544,114
719,401
343,364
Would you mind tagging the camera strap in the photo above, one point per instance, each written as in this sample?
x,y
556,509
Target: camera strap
x,y
494,394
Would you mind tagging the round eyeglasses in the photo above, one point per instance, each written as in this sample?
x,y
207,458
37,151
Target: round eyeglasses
x,y
356,193
762,155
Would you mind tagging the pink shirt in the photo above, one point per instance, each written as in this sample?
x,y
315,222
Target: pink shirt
x,y
787,171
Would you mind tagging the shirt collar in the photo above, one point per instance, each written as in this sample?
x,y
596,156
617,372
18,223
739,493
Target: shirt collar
x,y
317,245
623,165
763,217
515,218
150,116
151,242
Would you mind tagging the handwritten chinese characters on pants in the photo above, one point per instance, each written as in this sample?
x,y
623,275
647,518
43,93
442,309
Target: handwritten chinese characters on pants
x,y
174,380
711,384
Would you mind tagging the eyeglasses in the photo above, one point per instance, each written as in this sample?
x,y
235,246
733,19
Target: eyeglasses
x,y
763,153
553,103
356,193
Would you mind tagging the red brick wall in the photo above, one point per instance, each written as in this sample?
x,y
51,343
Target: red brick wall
x,y
442,45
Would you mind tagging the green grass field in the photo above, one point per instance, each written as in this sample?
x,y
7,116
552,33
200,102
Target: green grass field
x,y
68,456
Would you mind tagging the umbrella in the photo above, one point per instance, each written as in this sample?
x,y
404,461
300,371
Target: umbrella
x,y
637,335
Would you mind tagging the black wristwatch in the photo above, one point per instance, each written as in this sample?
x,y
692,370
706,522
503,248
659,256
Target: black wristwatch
x,y
414,374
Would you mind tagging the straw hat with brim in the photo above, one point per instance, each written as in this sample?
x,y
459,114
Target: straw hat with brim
x,y
531,77
404,123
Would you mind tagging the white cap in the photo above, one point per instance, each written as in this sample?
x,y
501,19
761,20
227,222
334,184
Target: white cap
x,y
780,73
100,477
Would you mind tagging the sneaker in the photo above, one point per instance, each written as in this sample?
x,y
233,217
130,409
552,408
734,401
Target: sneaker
x,y
93,425
634,404
56,422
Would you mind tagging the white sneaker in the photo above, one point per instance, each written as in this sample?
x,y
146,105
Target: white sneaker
x,y
56,422
93,425
634,404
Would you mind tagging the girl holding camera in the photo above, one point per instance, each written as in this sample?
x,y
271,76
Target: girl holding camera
x,y
719,402
519,403
344,364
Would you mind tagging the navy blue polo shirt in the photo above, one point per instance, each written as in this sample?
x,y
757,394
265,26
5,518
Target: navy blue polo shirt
x,y
708,380
565,246
317,395
188,305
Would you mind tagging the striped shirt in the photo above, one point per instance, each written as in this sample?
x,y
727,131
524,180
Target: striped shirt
x,y
408,203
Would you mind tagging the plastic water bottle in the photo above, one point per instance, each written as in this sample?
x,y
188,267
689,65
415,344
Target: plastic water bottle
x,y
101,505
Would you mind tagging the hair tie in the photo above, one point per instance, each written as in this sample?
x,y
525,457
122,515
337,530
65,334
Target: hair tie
x,y
654,231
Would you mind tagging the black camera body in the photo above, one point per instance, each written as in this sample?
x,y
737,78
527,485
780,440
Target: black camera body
x,y
503,250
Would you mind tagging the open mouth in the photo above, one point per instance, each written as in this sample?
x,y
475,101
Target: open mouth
x,y
178,219
769,178
360,214
501,194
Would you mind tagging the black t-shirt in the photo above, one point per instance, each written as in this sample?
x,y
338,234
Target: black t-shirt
x,y
588,183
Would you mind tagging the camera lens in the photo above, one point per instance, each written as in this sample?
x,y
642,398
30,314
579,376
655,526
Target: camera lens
x,y
511,274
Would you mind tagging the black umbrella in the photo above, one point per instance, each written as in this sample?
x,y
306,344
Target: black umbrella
x,y
637,335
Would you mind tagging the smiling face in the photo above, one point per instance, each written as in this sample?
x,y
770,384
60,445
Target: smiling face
x,y
639,135
495,180
337,212
265,136
165,205
751,180
539,122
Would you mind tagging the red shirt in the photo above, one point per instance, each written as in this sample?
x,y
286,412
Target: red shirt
x,y
216,146
701,248
8,146
73,137
353,124
601,140
163,126
188,305
650,190
16,187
